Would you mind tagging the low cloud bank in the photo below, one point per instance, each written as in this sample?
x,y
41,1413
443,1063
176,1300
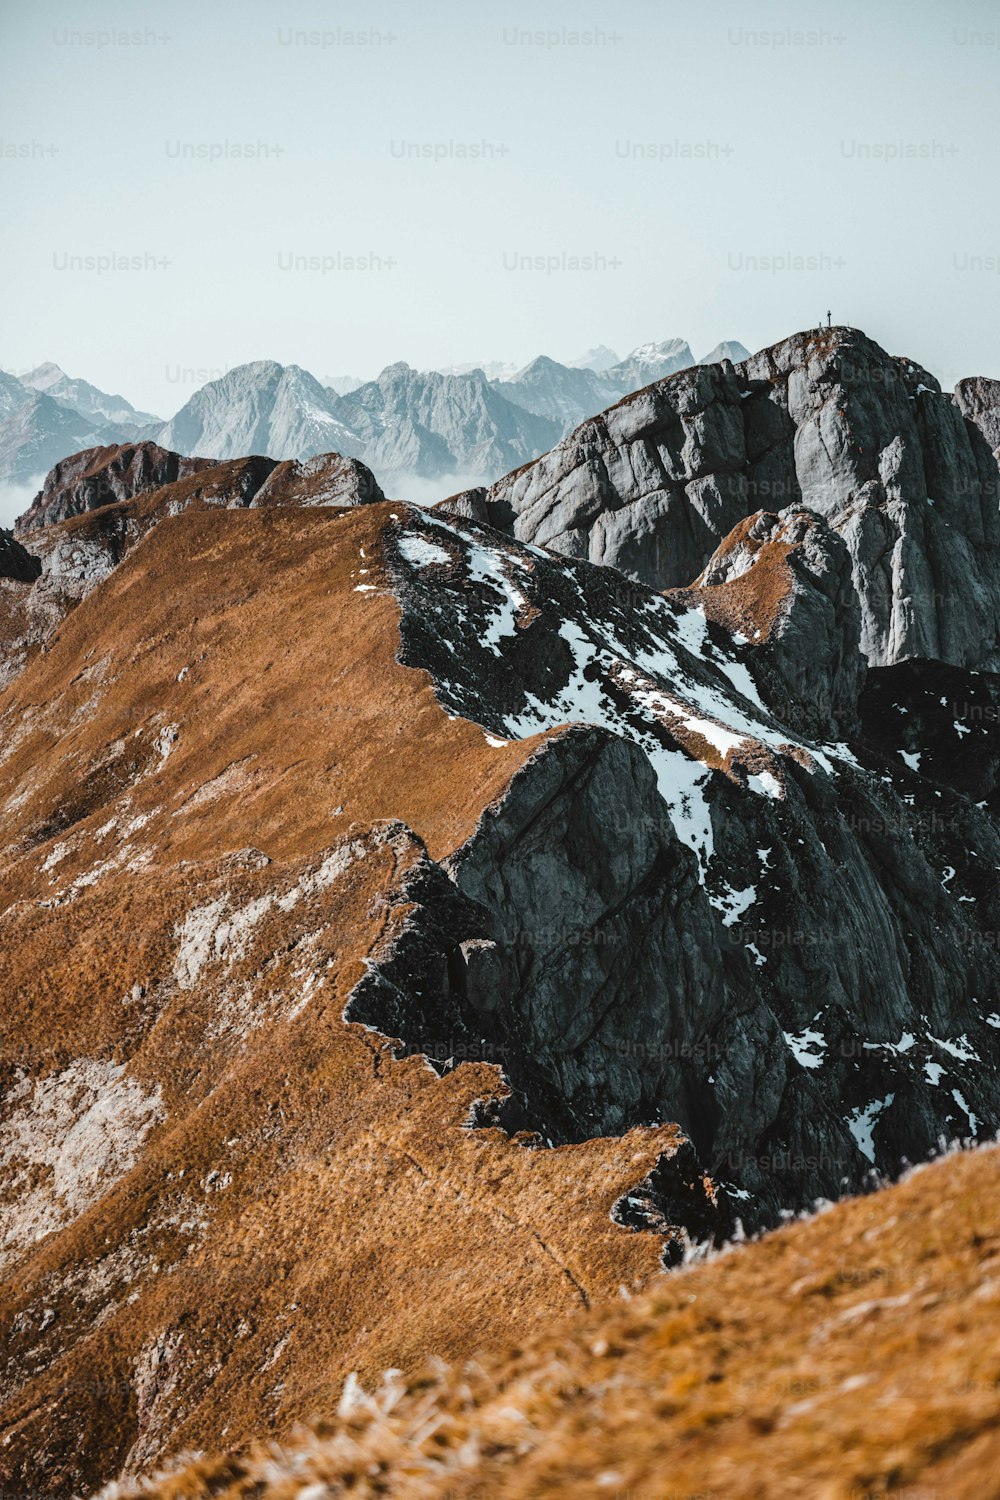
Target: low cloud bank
x,y
429,492
15,499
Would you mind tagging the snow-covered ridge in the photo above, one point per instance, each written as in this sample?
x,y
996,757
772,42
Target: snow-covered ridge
x,y
646,667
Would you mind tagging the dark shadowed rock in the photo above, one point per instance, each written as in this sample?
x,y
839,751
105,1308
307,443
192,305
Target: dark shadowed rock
x,y
15,561
695,908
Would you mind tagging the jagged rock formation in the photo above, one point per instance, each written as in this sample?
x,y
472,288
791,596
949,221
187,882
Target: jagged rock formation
x,y
327,479
784,583
435,425
97,477
802,1029
263,407
419,834
825,420
979,400
562,394
650,486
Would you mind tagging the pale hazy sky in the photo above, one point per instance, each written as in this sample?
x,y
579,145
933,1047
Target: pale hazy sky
x,y
679,147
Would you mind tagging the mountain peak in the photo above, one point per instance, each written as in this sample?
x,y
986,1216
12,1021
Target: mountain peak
x,y
599,358
730,349
43,375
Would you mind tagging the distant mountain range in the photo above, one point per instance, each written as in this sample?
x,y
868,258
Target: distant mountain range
x,y
463,424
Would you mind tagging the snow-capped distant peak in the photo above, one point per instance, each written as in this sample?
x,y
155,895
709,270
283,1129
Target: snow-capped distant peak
x,y
663,350
598,359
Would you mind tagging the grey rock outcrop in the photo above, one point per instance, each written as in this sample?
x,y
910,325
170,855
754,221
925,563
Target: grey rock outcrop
x,y
826,420
783,583
649,486
979,400
325,479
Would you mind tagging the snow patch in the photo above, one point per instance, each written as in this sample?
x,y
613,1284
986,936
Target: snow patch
x,y
861,1123
807,1047
421,553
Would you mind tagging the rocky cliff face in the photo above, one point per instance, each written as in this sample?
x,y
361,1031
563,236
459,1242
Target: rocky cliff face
x,y
326,479
695,917
979,400
784,583
827,421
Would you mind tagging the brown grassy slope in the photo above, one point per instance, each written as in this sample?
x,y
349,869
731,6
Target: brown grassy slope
x,y
854,1355
752,603
218,1198
88,544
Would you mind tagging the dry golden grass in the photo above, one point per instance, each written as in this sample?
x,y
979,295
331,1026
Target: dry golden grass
x,y
854,1355
305,1205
